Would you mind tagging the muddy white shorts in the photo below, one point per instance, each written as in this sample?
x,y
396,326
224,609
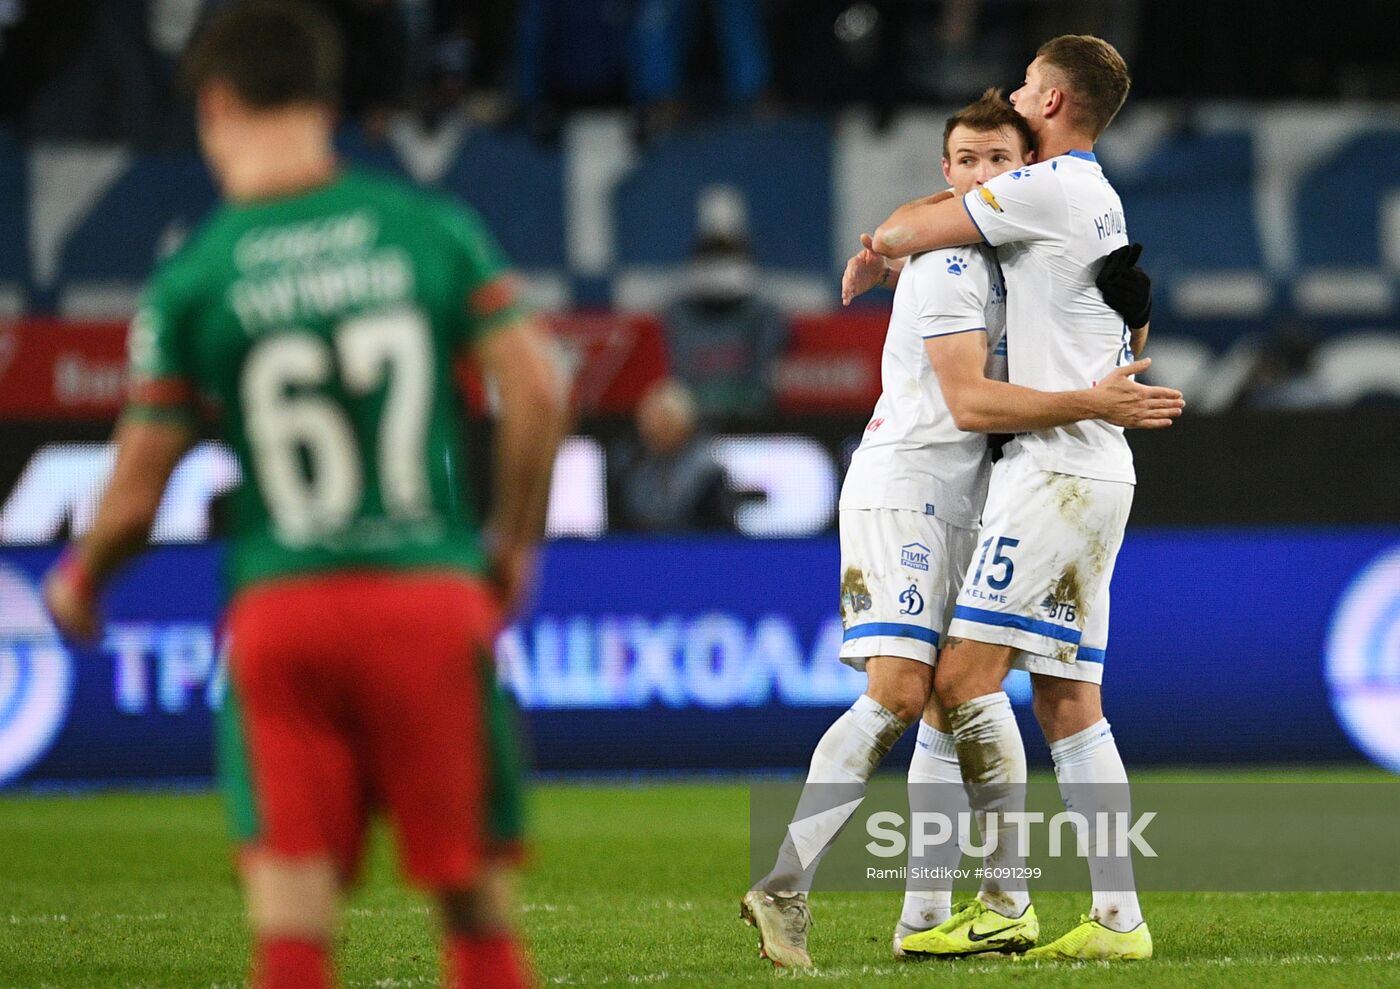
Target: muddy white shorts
x,y
1039,575
900,572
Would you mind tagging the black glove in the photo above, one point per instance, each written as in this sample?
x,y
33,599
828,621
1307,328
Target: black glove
x,y
1126,287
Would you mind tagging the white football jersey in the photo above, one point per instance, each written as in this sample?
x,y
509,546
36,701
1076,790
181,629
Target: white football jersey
x,y
1052,224
912,455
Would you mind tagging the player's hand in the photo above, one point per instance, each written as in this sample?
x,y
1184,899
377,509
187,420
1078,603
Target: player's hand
x,y
512,572
1126,287
71,601
864,271
1133,405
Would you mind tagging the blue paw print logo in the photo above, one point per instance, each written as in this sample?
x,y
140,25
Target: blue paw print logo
x,y
1021,173
956,264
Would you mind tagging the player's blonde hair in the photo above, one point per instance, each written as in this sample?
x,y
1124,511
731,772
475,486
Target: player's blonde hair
x,y
1094,76
989,112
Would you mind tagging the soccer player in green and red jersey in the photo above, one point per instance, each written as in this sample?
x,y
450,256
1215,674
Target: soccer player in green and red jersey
x,y
323,311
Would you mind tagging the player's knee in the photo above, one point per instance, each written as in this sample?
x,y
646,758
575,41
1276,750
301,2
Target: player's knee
x,y
905,702
962,674
947,685
291,897
900,686
934,714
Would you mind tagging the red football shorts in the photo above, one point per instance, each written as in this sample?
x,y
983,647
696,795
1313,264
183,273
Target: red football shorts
x,y
355,691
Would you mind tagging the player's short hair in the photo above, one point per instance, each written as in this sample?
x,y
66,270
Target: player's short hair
x,y
1095,76
273,53
989,112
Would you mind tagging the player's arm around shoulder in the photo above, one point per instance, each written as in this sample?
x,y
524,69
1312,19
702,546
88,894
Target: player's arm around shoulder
x,y
927,224
1026,205
951,295
981,405
954,295
866,270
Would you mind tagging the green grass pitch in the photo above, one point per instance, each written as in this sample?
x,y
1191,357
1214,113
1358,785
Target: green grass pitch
x,y
629,885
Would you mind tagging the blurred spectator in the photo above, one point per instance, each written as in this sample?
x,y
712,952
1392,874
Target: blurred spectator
x,y
722,336
458,51
99,75
573,53
376,69
839,51
569,53
662,36
668,480
1283,377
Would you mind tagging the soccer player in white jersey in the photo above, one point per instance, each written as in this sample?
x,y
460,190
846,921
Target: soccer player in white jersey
x,y
909,510
1036,594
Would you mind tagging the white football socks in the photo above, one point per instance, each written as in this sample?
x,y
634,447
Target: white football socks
x,y
841,766
935,787
993,761
1093,782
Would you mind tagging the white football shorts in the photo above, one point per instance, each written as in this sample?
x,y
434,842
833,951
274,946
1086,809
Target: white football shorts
x,y
900,571
1039,575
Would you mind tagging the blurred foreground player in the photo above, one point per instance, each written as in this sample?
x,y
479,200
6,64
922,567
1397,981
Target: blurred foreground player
x,y
323,311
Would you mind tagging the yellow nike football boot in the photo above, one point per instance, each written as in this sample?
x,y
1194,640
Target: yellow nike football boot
x,y
973,929
1092,941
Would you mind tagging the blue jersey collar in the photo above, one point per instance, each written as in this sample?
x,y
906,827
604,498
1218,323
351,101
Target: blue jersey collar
x,y
1086,155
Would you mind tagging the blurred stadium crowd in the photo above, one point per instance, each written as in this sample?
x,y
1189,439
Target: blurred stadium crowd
x,y
681,180
99,69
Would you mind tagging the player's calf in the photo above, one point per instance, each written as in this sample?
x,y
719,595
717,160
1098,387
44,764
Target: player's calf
x,y
292,905
480,948
1064,707
935,786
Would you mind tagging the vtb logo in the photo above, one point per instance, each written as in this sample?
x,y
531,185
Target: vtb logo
x,y
36,676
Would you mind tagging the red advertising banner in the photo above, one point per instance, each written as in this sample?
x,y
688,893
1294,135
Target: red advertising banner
x,y
832,364
611,358
52,369
57,369
614,357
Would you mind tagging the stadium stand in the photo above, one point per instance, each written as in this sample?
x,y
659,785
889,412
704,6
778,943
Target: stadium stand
x,y
1360,366
14,217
